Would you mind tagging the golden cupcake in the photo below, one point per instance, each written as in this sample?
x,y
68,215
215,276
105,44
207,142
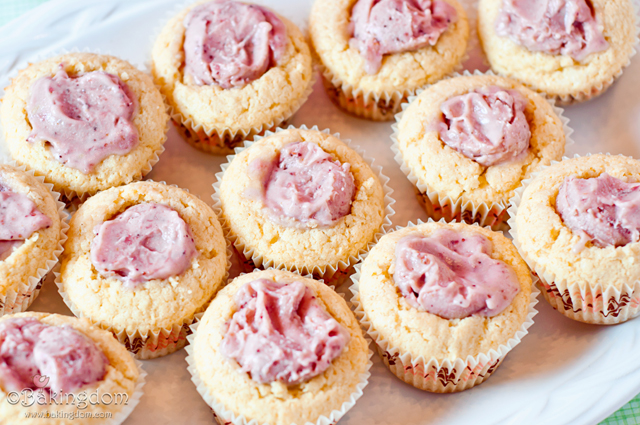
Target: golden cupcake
x,y
32,230
445,303
281,365
576,225
141,261
58,368
114,122
375,54
301,200
571,50
230,70
467,142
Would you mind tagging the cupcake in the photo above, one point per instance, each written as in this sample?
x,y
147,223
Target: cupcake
x,y
375,54
445,303
141,261
576,225
288,349
467,142
32,230
57,368
572,50
230,70
301,200
85,122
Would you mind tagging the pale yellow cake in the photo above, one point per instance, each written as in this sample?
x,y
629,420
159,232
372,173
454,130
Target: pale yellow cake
x,y
548,244
209,112
437,167
561,76
328,26
275,403
150,121
155,306
304,249
122,376
421,333
37,250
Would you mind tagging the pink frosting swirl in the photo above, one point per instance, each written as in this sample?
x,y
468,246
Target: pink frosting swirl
x,y
281,333
85,118
19,219
305,186
604,210
453,275
557,27
148,241
231,43
65,358
487,125
380,27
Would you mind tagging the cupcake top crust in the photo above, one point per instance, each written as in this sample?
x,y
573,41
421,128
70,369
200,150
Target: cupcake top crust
x,y
27,247
455,321
276,401
94,362
492,131
389,45
165,283
108,105
569,49
335,209
231,66
586,239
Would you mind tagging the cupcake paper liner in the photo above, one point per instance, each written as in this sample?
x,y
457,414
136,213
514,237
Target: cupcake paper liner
x,y
365,104
224,142
432,374
438,206
19,299
120,416
70,197
331,273
212,140
223,416
155,343
598,304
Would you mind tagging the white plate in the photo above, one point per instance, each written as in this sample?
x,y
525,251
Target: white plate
x,y
564,372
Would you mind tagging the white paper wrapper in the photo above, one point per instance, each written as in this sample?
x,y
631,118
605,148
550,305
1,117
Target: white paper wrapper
x,y
68,196
213,140
223,416
330,273
495,214
432,374
19,299
151,344
120,416
365,104
224,142
599,304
